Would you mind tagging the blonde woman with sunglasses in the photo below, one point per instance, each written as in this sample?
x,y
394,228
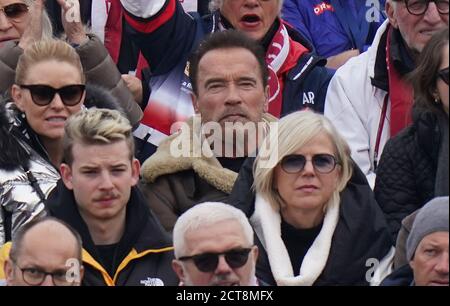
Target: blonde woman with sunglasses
x,y
23,22
49,88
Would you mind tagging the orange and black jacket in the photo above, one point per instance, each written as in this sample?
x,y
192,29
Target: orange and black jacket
x,y
142,257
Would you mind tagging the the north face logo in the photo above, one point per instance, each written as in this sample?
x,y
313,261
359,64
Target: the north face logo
x,y
308,97
152,282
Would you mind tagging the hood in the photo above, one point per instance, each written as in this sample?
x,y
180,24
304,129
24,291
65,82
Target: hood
x,y
97,96
208,168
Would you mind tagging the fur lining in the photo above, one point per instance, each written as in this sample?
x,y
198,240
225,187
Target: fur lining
x,y
266,221
208,168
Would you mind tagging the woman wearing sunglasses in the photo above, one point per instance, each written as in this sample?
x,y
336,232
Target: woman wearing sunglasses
x,y
24,21
314,212
50,87
414,166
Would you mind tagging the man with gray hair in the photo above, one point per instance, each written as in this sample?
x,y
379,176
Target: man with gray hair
x,y
214,246
426,248
369,100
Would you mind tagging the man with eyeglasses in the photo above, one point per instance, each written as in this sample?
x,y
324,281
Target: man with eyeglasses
x,y
369,99
214,247
53,261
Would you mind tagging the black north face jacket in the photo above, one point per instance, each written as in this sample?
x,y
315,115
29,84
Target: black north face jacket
x,y
143,256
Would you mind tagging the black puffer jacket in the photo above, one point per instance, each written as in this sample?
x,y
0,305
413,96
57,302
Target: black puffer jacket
x,y
407,170
361,233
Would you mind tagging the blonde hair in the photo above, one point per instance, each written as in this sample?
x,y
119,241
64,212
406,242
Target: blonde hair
x,y
96,126
295,131
47,50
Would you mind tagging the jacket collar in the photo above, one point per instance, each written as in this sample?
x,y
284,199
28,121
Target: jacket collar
x,y
142,230
400,56
202,162
266,221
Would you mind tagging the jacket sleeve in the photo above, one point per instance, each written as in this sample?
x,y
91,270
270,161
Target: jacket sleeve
x,y
162,30
2,228
292,14
161,201
395,184
9,56
100,69
344,106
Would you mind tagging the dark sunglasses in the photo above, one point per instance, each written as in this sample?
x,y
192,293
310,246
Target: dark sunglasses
x,y
43,95
443,74
208,262
15,10
323,163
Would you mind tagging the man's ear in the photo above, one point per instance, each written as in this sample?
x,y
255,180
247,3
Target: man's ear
x,y
390,12
255,251
66,175
17,95
8,269
195,103
177,266
135,171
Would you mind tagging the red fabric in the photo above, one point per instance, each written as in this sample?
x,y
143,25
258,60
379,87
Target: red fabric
x,y
146,26
113,29
401,95
141,65
276,79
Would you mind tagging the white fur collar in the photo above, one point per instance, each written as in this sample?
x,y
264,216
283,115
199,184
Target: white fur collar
x,y
266,221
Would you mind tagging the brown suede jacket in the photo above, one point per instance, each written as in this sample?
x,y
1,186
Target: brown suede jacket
x,y
172,185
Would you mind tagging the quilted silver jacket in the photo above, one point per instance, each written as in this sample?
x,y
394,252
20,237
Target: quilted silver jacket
x,y
19,200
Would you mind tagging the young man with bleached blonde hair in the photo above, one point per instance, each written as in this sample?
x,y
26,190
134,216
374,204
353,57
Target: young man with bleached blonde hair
x,y
124,244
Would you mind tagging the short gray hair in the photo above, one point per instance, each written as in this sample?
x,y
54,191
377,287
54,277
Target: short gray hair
x,y
96,126
207,214
17,240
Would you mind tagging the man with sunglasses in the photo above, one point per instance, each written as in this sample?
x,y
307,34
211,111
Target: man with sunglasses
x,y
214,247
369,99
53,261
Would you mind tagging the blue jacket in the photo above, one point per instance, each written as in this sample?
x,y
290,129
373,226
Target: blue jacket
x,y
169,38
332,26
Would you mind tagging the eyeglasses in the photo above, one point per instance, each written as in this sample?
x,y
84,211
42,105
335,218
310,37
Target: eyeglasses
x,y
323,163
35,276
419,7
15,10
43,95
443,74
208,262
